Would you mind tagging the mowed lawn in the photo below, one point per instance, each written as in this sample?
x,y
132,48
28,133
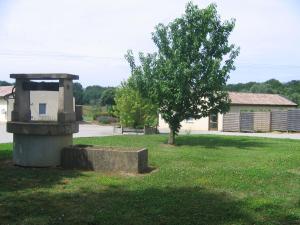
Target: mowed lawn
x,y
209,180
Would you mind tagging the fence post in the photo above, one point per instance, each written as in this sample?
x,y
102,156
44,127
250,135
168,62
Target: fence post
x,y
240,121
270,121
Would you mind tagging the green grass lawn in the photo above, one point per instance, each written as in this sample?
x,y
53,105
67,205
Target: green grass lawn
x,y
209,180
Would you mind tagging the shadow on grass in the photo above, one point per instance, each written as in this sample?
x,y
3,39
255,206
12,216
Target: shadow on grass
x,y
118,206
14,178
5,154
19,179
210,141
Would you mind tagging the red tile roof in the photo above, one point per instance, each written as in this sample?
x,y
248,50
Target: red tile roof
x,y
5,90
239,98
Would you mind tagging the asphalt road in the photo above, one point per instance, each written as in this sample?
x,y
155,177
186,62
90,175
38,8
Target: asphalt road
x,y
89,130
85,130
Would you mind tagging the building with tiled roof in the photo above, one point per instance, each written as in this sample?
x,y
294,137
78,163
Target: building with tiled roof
x,y
239,102
240,98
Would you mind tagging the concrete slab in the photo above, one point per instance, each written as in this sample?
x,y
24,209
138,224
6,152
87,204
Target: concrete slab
x,y
105,159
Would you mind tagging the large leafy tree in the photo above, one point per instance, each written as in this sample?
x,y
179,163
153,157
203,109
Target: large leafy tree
x,y
186,77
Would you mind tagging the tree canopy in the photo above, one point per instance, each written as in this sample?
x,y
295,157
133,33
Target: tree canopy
x,y
187,75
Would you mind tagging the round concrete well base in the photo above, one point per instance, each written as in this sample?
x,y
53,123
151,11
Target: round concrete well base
x,y
38,150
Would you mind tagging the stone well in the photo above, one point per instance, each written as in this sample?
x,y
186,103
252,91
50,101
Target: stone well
x,y
39,143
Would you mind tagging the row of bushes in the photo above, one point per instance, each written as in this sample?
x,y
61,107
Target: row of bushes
x,y
97,113
106,119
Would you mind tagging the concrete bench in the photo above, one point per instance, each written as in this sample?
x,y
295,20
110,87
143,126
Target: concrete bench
x,y
106,159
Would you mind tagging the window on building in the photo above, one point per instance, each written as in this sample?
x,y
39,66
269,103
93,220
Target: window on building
x,y
213,121
42,108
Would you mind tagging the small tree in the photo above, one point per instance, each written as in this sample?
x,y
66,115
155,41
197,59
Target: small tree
x,y
186,78
132,109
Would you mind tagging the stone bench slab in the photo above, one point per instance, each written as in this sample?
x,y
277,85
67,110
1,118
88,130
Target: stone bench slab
x,y
105,159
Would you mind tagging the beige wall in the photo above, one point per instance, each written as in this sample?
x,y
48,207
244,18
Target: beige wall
x,y
3,110
220,122
10,108
37,97
186,126
51,100
203,123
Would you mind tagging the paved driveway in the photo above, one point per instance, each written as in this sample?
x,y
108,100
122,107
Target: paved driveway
x,y
85,130
89,130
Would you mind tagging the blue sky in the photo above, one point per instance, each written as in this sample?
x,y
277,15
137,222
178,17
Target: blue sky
x,y
90,37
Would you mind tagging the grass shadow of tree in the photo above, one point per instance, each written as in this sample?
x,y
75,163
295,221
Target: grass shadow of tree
x,y
5,152
120,206
14,178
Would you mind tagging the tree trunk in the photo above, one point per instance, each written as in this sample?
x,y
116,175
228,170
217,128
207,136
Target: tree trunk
x,y
171,140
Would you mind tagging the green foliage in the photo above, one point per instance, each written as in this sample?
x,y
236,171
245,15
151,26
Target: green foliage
x,y
187,76
106,119
132,109
264,88
91,112
4,83
108,97
78,93
291,89
92,94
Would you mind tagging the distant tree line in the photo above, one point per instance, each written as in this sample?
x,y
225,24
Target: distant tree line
x,y
4,83
99,95
91,95
94,95
291,89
